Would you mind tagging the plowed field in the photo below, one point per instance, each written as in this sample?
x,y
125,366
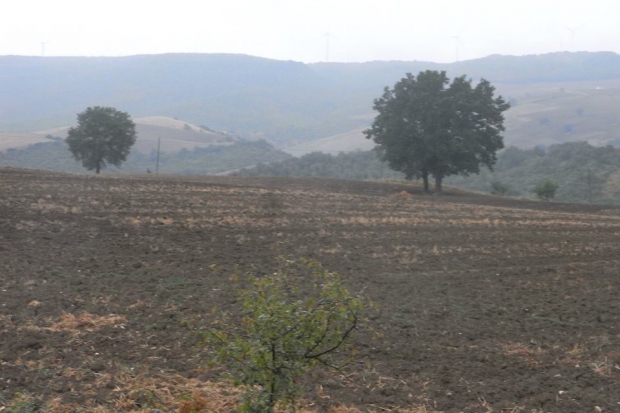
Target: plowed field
x,y
485,304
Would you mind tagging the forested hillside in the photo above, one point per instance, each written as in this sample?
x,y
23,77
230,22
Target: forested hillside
x,y
352,165
581,170
252,97
556,97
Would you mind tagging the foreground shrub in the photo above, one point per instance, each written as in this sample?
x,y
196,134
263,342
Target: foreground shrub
x,y
285,331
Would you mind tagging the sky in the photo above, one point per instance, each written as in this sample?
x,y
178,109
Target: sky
x,y
309,30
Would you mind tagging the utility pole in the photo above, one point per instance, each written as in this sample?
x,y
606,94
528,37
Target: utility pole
x,y
157,164
589,186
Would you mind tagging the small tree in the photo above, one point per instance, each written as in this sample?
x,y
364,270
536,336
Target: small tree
x,y
285,331
103,136
498,188
546,190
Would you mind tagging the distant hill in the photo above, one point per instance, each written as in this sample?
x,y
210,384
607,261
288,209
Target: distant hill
x,y
175,135
248,96
541,114
546,114
14,140
557,97
499,69
342,142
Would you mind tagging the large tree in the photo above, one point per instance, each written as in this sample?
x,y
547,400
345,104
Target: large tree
x,y
103,136
427,126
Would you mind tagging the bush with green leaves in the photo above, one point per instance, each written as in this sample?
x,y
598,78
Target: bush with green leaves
x,y
297,318
546,190
498,188
22,403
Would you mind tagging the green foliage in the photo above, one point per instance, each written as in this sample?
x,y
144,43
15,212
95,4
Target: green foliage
x,y
211,160
216,159
577,167
23,403
103,136
546,190
352,165
424,127
498,188
293,320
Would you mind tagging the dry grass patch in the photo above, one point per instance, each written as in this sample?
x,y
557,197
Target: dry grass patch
x,y
80,322
142,392
337,249
86,322
607,367
135,221
402,195
46,206
525,352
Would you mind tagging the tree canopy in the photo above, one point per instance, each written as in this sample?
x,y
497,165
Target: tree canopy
x,y
426,126
103,136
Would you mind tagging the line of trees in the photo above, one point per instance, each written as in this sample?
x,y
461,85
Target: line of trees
x,y
581,170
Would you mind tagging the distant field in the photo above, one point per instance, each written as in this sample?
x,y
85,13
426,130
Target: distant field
x,y
485,304
19,140
167,122
565,112
175,135
343,142
544,114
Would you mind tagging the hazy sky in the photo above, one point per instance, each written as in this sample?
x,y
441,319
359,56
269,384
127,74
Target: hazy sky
x,y
360,30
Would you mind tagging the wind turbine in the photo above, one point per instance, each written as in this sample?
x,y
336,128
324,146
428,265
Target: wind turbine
x,y
328,36
572,31
457,43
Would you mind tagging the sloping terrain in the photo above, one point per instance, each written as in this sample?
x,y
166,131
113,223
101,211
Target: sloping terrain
x,y
290,103
174,134
245,95
342,142
485,303
547,114
541,114
16,140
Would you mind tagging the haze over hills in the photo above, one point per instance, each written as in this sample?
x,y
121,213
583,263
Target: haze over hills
x,y
556,97
175,135
541,114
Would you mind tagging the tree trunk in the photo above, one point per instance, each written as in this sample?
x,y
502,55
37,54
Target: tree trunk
x,y
425,178
438,188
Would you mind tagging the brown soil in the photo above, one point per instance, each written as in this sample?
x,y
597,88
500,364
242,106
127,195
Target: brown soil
x,y
486,304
